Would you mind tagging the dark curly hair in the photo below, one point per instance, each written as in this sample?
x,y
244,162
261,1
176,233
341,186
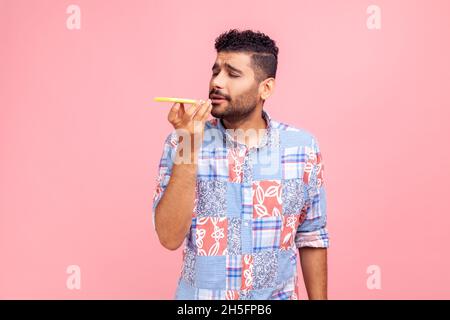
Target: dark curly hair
x,y
263,50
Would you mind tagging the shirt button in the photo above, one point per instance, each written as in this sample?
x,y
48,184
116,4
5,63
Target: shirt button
x,y
246,223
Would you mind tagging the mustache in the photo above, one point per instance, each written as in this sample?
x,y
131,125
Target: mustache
x,y
219,93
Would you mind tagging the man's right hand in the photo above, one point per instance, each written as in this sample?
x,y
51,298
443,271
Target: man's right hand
x,y
190,121
182,118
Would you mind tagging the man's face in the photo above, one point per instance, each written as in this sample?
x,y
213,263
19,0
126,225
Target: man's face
x,y
233,78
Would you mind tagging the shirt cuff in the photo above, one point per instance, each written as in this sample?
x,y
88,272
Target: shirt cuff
x,y
313,239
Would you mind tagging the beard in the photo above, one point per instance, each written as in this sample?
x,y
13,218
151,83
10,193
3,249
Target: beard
x,y
238,108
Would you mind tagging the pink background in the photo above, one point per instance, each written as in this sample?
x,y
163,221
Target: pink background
x,y
80,138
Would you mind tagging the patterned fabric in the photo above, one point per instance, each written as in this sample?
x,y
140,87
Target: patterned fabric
x,y
254,208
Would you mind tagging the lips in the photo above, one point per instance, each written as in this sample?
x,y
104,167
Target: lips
x,y
215,98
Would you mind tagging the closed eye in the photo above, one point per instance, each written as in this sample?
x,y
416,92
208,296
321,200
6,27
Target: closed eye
x,y
231,75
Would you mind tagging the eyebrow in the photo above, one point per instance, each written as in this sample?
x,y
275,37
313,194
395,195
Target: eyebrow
x,y
229,66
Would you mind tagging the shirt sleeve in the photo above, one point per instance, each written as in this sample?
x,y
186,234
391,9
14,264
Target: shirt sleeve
x,y
312,231
164,171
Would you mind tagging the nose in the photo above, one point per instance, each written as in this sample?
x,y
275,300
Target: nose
x,y
218,81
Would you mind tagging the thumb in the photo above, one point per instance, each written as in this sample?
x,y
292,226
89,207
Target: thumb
x,y
173,111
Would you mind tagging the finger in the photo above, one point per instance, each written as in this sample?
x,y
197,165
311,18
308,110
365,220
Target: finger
x,y
203,110
208,113
181,111
173,112
191,111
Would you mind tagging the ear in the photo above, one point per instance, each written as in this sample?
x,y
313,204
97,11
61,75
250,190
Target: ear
x,y
266,88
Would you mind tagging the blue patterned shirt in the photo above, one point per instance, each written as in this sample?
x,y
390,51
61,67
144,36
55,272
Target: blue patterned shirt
x,y
254,207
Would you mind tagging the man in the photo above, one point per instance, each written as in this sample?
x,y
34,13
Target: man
x,y
243,190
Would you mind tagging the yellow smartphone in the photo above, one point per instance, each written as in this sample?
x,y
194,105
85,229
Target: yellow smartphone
x,y
179,100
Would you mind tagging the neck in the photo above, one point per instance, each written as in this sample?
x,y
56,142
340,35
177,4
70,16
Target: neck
x,y
254,122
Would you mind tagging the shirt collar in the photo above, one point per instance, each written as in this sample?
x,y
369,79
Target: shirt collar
x,y
265,140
